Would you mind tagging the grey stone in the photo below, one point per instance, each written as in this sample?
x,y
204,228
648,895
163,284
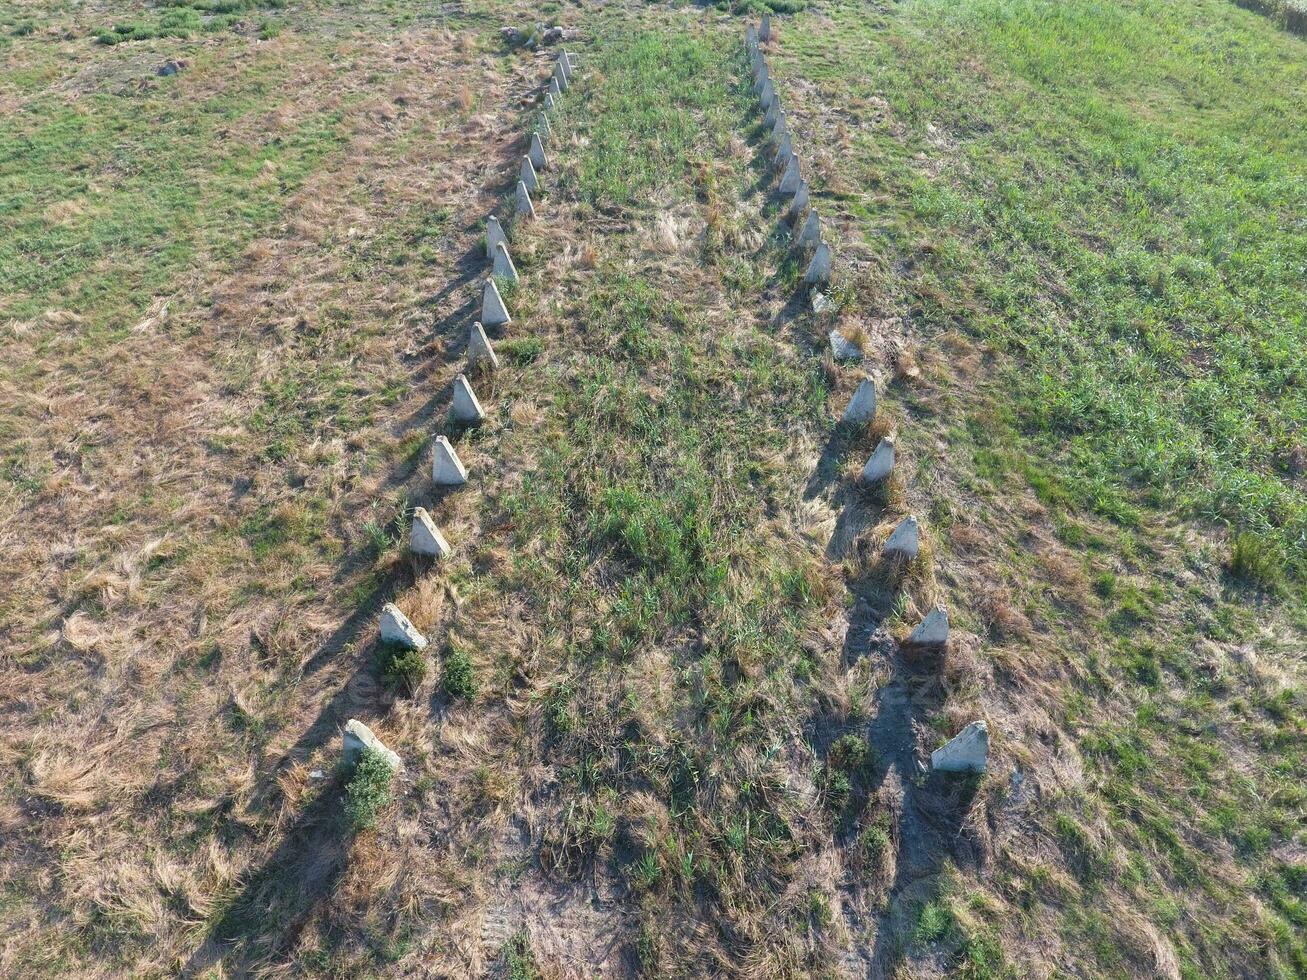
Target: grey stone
x,y
543,127
424,538
819,302
792,177
784,151
780,128
811,233
527,175
536,153
493,311
881,463
357,738
560,76
479,351
799,203
905,540
503,267
522,205
750,36
763,77
170,67
494,235
767,94
931,631
764,29
862,406
549,99
773,110
395,628
555,90
842,348
968,751
447,469
465,407
819,267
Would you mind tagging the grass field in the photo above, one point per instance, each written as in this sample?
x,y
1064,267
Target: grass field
x,y
663,727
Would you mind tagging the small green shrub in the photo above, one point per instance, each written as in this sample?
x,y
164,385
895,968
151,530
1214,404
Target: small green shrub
x,y
398,664
368,791
459,678
522,351
1256,560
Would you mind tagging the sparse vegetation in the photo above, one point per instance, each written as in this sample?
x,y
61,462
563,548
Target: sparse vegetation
x,y
368,791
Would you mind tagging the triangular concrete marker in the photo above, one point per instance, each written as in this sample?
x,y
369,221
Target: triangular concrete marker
x,y
750,36
447,469
564,64
781,128
424,538
819,268
811,233
560,76
465,406
792,177
570,62
358,738
881,463
783,152
862,406
479,351
968,751
931,631
536,153
395,628
763,76
905,541
773,110
503,267
799,203
549,100
764,29
543,127
767,94
527,175
841,348
493,311
554,89
494,235
522,205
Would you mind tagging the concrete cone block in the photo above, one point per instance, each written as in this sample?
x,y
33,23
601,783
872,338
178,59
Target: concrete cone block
x,y
447,469
968,751
555,90
767,94
763,76
479,351
536,153
570,62
811,233
799,203
773,111
881,463
503,267
522,205
783,153
750,36
862,406
565,63
560,76
543,127
395,628
493,311
764,29
841,348
819,268
527,175
931,631
791,179
781,128
549,99
424,538
494,235
465,407
357,738
904,541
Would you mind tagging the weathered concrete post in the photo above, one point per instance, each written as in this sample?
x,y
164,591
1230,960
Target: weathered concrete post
x,y
479,351
396,628
536,153
811,233
862,406
819,268
424,538
494,235
522,206
904,541
527,175
447,469
503,267
465,407
967,751
493,311
881,463
357,738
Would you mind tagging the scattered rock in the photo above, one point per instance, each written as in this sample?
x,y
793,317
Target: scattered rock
x,y
358,737
447,469
862,406
881,463
465,407
396,628
968,751
424,538
905,541
170,67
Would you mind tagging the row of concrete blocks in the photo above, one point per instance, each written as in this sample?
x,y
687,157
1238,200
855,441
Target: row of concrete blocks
x,y
425,538
970,749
